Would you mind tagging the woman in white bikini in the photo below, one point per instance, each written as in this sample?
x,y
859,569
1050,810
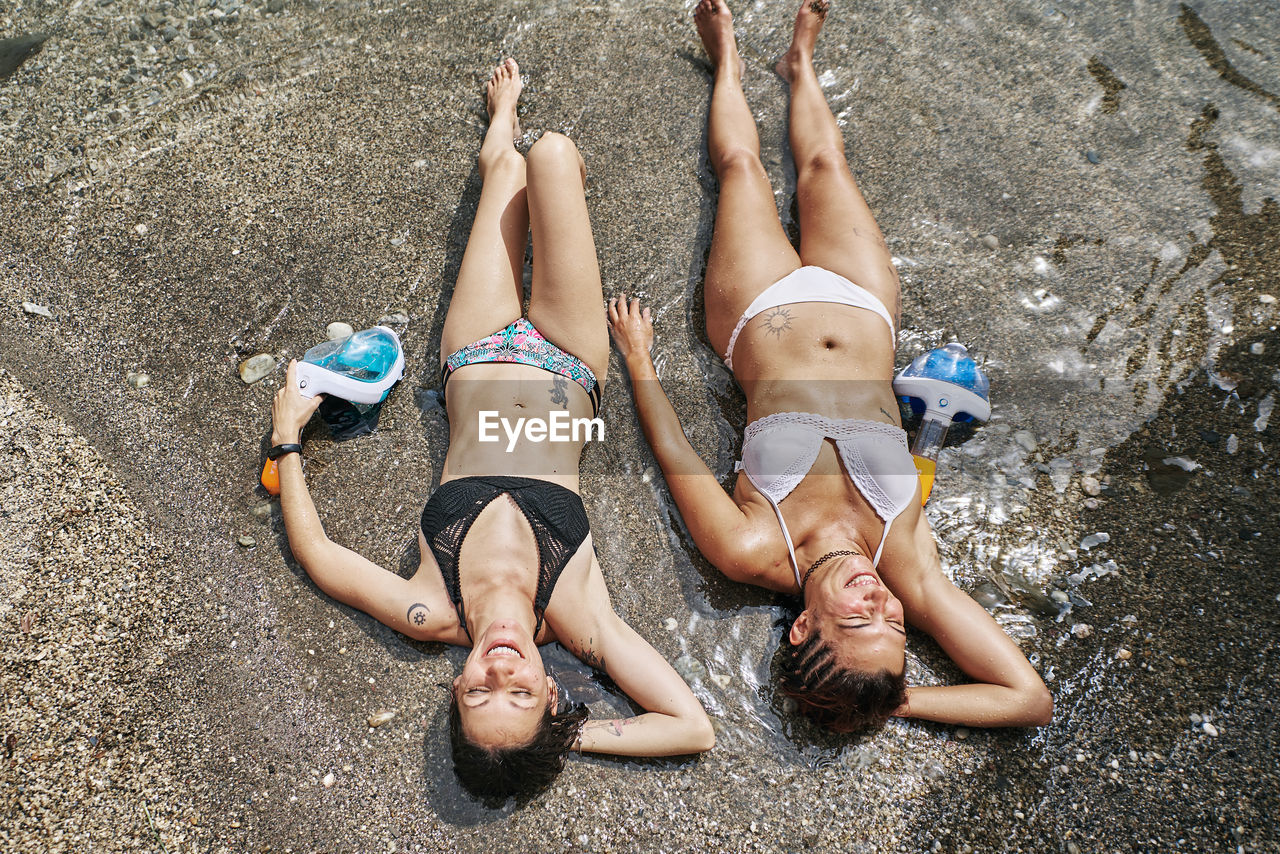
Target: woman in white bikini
x,y
827,505
506,530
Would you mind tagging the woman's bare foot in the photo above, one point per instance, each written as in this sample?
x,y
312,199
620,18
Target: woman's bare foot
x,y
809,21
715,28
502,94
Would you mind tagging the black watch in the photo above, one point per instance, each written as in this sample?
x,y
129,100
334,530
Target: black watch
x,y
279,451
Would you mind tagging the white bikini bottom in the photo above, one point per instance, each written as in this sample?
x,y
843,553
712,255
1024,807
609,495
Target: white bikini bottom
x,y
809,284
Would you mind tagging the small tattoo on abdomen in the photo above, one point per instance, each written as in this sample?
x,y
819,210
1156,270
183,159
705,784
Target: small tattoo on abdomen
x,y
559,391
777,321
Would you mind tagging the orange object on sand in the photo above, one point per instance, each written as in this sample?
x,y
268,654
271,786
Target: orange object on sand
x,y
271,477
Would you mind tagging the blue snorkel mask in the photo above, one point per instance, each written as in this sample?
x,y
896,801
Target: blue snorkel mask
x,y
355,374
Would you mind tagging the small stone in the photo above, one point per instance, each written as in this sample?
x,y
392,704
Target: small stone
x,y
275,7
397,241
247,541
990,241
140,229
1072,848
327,86
256,367
1060,597
1092,157
1195,719
1081,630
152,20
669,624
394,319
1266,299
329,780
338,330
377,719
1257,348
1209,729
169,34
1123,654
722,679
1090,503
1090,485
138,380
1097,539
1026,440
36,308
962,733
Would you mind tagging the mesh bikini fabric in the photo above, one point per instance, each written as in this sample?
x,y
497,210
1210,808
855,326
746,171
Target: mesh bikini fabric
x,y
555,514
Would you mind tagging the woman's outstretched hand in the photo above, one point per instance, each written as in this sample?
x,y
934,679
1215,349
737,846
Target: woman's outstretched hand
x,y
290,411
631,327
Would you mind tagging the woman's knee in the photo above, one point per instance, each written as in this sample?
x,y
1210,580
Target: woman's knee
x,y
555,151
501,163
826,160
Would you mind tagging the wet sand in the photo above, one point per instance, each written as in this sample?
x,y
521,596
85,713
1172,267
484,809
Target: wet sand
x,y
1084,194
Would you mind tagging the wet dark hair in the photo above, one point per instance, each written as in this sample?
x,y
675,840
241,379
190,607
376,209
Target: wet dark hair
x,y
839,699
494,774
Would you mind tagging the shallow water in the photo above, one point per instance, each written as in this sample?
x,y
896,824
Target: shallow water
x,y
317,164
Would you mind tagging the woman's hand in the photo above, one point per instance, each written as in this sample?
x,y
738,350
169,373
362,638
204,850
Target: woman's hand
x,y
631,327
290,411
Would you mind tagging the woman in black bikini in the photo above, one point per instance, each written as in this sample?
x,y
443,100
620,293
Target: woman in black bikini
x,y
507,560
827,506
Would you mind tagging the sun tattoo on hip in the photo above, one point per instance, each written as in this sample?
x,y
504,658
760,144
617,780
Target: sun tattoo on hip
x,y
777,321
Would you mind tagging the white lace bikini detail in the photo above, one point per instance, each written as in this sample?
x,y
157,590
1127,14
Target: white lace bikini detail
x,y
779,449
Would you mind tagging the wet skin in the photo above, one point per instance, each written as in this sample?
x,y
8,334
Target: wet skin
x,y
849,605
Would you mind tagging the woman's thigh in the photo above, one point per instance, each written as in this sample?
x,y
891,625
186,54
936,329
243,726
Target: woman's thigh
x,y
566,302
749,249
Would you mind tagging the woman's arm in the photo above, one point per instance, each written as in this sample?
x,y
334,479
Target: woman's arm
x,y
720,529
410,606
1007,691
673,723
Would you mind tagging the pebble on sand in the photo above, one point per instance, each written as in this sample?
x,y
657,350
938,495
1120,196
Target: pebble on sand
x,y
338,330
990,241
247,541
328,780
256,367
669,624
1123,654
1090,485
1082,630
377,719
36,308
140,229
1209,729
138,379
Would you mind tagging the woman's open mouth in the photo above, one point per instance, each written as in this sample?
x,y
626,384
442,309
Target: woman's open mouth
x,y
503,648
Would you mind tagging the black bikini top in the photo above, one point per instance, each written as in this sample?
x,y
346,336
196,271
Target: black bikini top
x,y
555,514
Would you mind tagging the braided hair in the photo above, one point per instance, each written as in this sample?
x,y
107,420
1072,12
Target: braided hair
x,y
840,699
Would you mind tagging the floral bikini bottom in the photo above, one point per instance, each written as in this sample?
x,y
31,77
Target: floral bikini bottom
x,y
521,343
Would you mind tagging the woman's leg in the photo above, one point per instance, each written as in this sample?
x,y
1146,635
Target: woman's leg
x,y
488,294
749,249
837,230
566,303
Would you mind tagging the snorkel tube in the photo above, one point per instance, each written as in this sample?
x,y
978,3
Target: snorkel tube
x,y
360,370
948,386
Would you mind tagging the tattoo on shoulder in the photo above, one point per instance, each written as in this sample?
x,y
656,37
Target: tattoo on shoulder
x,y
886,414
559,391
417,614
777,321
591,657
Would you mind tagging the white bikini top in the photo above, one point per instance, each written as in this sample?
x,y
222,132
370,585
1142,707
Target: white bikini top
x,y
779,449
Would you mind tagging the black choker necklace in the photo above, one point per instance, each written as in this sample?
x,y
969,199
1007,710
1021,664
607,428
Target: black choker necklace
x,y
820,561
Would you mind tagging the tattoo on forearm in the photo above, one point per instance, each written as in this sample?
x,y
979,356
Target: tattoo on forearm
x,y
777,321
417,614
614,727
559,391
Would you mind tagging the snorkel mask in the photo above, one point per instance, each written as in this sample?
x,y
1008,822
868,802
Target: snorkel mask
x,y
360,369
948,386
